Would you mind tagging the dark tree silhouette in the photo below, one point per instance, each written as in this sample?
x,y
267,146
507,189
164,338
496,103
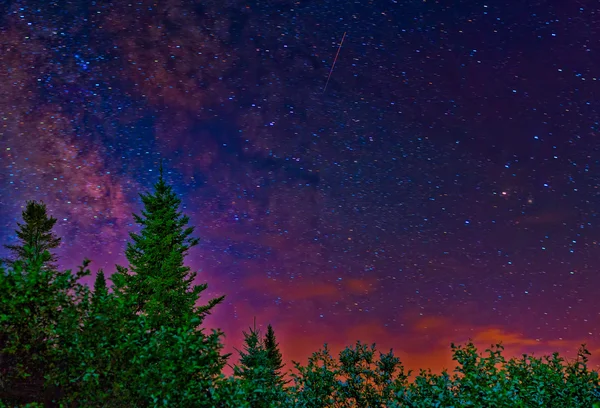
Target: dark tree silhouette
x,y
274,355
35,232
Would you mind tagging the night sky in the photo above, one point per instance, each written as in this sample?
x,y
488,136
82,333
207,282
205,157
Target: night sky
x,y
445,186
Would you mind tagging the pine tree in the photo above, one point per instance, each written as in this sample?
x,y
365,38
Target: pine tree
x,y
100,291
163,356
38,312
93,350
254,360
274,355
157,278
36,233
256,372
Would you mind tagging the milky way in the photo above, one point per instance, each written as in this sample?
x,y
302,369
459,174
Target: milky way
x,y
444,187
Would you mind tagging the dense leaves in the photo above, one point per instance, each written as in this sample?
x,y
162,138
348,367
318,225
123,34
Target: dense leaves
x,y
37,304
355,380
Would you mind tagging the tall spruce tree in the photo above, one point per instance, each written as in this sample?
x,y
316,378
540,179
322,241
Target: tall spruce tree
x,y
274,355
157,278
164,356
36,233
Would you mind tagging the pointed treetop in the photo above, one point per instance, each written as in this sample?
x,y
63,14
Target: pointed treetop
x,y
254,356
100,289
35,232
161,187
163,286
273,352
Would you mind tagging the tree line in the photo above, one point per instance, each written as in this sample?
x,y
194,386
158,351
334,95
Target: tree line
x,y
140,341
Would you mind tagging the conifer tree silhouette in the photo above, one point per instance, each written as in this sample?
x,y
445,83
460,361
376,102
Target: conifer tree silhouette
x,y
35,232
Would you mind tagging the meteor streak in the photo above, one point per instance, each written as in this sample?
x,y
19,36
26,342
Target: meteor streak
x,y
334,60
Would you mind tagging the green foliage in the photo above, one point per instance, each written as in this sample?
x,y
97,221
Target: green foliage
x,y
36,304
316,385
89,339
116,358
258,371
165,367
139,342
492,381
100,294
356,380
274,356
36,233
142,344
157,278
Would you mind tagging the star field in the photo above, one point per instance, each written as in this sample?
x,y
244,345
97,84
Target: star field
x,y
445,186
